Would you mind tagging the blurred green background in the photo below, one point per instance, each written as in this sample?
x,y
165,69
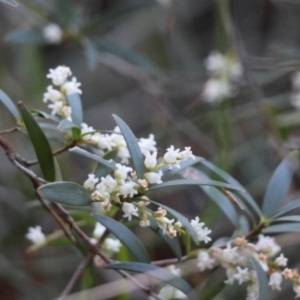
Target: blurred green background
x,y
144,60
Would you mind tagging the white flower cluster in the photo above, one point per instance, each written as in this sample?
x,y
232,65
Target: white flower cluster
x,y
35,235
224,73
111,245
295,99
235,259
57,98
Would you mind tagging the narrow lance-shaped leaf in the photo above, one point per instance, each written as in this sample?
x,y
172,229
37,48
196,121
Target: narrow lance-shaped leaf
x,y
185,222
287,208
69,193
101,170
7,102
126,236
40,144
74,101
91,53
279,183
183,182
159,273
263,284
104,162
133,147
66,125
288,219
247,198
280,228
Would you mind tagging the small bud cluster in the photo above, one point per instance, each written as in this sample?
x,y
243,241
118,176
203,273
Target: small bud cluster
x,y
57,98
235,259
224,73
52,33
35,235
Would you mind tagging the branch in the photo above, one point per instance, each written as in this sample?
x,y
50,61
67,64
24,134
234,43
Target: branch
x,y
10,130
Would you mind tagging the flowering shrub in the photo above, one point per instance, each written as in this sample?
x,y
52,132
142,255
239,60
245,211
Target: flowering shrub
x,y
120,189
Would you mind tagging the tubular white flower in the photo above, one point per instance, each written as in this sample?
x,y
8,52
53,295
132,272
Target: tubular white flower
x,y
163,223
56,108
52,33
275,281
106,205
66,112
124,154
216,90
242,275
127,189
154,177
59,75
112,245
129,210
202,232
150,160
107,184
98,230
186,153
35,235
205,261
267,245
122,171
89,184
71,87
281,260
52,95
230,272
171,157
147,144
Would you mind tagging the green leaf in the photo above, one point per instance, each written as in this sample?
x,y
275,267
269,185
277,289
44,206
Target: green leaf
x,y
91,53
7,102
74,101
101,170
157,272
245,196
45,115
287,208
279,184
133,147
26,36
183,182
58,175
263,284
126,236
184,164
87,280
64,192
288,219
185,222
102,161
40,144
60,242
280,228
172,243
10,2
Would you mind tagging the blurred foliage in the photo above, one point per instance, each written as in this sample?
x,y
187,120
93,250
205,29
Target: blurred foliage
x,y
144,62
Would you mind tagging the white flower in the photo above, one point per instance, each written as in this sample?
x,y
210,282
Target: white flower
x,y
164,223
107,184
216,90
104,141
205,261
215,63
106,205
89,184
52,33
186,153
275,281
236,71
52,95
122,171
35,235
169,292
150,160
72,87
147,144
98,230
56,107
175,271
242,275
154,177
66,112
124,154
129,210
112,245
230,272
230,254
252,291
59,75
281,260
127,189
267,245
171,157
84,130
202,232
